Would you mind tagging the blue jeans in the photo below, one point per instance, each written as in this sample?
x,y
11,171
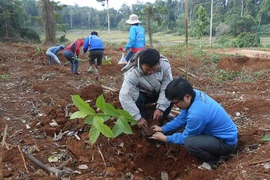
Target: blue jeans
x,y
52,56
129,55
74,65
208,148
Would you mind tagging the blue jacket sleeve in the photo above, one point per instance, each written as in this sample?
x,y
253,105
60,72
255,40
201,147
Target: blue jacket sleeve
x,y
194,126
176,123
132,38
86,44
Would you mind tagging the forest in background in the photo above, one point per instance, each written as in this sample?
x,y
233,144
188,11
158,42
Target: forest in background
x,y
23,18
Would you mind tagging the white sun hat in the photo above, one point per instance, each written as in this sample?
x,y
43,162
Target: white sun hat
x,y
133,19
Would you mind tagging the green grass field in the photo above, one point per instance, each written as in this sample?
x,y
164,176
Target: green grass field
x,y
120,37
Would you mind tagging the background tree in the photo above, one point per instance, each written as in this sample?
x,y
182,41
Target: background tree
x,y
108,17
11,18
201,23
47,16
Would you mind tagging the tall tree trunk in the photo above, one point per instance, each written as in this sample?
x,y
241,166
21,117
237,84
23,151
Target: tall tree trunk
x,y
149,16
88,18
211,21
186,22
71,18
6,26
242,8
108,14
48,21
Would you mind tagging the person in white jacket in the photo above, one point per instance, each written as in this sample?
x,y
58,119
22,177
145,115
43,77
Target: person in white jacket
x,y
146,78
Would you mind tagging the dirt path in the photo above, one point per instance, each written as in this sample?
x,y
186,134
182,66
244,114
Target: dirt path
x,y
246,52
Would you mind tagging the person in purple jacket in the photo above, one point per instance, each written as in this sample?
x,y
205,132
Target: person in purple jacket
x,y
209,133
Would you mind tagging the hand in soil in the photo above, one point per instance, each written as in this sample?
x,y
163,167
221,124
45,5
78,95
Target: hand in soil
x,y
156,128
142,123
147,132
159,136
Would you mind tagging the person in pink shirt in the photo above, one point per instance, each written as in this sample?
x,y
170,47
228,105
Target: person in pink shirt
x,y
72,53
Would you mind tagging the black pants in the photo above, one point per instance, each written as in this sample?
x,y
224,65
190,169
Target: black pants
x,y
96,54
144,99
208,148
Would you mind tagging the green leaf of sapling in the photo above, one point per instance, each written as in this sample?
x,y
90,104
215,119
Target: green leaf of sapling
x,y
82,105
100,103
125,114
116,130
98,122
78,114
110,110
124,125
93,134
266,138
90,118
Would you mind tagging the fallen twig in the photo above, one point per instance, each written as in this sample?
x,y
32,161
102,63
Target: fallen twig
x,y
56,171
16,132
192,75
2,150
232,105
258,162
108,88
24,163
102,156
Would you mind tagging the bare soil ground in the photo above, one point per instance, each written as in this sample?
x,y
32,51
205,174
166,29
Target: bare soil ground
x,y
34,94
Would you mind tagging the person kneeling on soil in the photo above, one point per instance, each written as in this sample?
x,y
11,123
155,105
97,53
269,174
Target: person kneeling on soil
x,y
147,75
70,51
96,51
52,51
209,134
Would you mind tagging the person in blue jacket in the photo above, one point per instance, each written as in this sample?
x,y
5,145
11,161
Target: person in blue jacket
x,y
96,52
136,37
52,51
209,132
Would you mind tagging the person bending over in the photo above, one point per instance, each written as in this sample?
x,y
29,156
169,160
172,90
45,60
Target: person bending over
x,y
147,75
209,132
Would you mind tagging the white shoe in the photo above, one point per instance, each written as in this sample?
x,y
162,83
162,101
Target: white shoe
x,y
205,166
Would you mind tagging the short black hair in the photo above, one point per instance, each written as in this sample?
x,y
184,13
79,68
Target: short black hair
x,y
150,57
177,89
94,33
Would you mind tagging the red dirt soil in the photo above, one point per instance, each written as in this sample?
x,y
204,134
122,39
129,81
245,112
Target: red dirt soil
x,y
34,93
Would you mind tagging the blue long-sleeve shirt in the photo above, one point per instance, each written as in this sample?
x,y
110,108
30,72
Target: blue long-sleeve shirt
x,y
136,37
55,49
92,42
204,116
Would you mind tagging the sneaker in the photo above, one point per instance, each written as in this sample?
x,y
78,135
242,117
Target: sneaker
x,y
205,166
92,70
210,165
76,73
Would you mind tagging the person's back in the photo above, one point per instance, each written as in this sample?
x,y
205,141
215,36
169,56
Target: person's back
x,y
96,43
72,53
96,52
136,37
56,49
136,40
52,51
